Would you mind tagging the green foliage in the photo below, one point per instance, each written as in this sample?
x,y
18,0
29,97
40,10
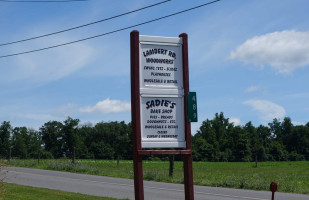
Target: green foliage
x,y
219,140
25,143
216,140
5,132
106,140
70,136
46,155
52,138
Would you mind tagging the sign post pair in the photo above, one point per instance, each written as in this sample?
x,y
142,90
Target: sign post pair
x,y
159,101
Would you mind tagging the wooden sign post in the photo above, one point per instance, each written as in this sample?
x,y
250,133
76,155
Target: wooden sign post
x,y
159,88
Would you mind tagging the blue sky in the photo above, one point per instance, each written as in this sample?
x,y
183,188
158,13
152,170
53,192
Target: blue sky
x,y
247,59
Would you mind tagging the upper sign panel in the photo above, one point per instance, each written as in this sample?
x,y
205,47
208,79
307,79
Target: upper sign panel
x,y
160,63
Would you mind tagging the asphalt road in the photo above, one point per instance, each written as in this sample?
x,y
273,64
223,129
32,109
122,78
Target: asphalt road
x,y
124,188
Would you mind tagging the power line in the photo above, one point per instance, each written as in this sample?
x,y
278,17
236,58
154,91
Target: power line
x,y
111,32
39,1
81,26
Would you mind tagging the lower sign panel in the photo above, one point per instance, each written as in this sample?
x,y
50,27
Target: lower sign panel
x,y
162,122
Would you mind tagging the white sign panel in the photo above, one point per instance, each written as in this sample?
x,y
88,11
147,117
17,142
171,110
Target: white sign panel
x,y
161,67
162,122
162,96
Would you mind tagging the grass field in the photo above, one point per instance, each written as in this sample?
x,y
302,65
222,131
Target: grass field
x,y
291,177
18,192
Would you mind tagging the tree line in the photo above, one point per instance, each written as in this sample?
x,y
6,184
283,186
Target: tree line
x,y
216,140
220,140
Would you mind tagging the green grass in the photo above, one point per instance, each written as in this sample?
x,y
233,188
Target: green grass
x,y
292,177
1,184
18,192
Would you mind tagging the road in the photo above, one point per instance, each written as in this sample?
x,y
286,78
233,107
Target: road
x,y
124,188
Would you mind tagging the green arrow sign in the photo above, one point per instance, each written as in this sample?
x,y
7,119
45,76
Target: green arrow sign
x,y
192,107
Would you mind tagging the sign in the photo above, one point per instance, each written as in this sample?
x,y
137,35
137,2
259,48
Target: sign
x,y
159,88
192,107
162,92
162,121
160,64
273,187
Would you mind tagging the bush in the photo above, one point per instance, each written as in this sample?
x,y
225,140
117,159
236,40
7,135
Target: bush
x,y
294,156
47,155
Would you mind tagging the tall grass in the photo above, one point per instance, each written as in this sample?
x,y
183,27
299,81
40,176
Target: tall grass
x,y
291,177
96,167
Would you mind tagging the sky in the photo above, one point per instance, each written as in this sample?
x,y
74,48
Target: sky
x,y
247,59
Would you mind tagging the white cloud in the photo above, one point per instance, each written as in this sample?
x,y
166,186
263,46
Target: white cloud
x,y
267,109
298,123
235,121
67,110
252,88
107,106
48,65
284,51
35,116
55,64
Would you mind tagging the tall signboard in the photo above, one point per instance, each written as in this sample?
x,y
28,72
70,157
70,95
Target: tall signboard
x,y
159,102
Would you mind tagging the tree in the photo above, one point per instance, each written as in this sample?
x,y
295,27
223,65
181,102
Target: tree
x,y
34,143
85,138
276,130
202,150
51,133
70,137
265,140
277,151
287,128
255,141
298,142
122,142
214,139
241,149
5,132
102,150
19,142
113,137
